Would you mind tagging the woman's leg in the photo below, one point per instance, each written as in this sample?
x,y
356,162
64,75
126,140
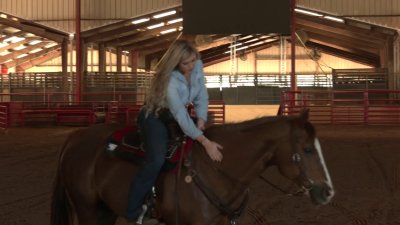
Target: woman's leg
x,y
156,138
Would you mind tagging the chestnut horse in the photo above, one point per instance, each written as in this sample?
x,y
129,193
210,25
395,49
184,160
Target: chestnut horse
x,y
92,187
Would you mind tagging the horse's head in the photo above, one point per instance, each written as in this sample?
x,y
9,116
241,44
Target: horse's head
x,y
300,159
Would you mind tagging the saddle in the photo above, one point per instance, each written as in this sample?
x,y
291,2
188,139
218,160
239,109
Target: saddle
x,y
127,143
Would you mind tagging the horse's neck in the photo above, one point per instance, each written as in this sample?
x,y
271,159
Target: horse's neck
x,y
229,190
247,149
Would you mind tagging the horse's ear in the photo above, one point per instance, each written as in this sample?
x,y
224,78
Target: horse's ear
x,y
304,114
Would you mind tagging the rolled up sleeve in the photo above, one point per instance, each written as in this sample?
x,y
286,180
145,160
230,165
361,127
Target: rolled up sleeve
x,y
179,111
201,100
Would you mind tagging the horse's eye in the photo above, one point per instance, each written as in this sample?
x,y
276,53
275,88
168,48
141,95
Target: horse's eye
x,y
296,157
308,150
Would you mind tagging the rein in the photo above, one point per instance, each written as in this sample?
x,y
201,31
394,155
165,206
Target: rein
x,y
178,177
299,192
303,189
233,214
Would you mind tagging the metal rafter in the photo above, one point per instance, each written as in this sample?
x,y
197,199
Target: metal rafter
x,y
367,59
120,25
129,41
25,59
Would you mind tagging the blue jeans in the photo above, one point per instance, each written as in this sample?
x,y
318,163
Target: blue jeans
x,y
156,139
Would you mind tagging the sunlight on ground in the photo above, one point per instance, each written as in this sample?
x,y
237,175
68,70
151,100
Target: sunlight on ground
x,y
236,113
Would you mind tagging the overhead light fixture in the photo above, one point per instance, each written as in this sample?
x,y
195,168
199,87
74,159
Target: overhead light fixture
x,y
252,40
257,43
265,36
175,21
238,49
35,50
155,26
71,36
172,12
270,39
3,53
35,42
3,16
308,12
142,20
246,37
3,44
51,45
168,31
241,48
19,47
14,39
21,56
232,46
334,19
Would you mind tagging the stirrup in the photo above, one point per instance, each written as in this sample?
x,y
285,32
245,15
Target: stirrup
x,y
143,220
139,221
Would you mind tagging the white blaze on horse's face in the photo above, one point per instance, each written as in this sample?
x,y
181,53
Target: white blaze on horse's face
x,y
317,146
321,190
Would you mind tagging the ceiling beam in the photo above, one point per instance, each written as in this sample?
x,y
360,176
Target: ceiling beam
x,y
149,42
217,58
122,24
13,45
37,30
366,59
148,34
15,53
127,29
39,60
162,47
8,34
342,28
348,45
354,37
19,61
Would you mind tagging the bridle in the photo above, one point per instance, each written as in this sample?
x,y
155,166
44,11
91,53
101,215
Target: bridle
x,y
232,214
304,189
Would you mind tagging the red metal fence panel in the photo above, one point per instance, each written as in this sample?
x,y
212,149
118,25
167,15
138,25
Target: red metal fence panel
x,y
345,107
4,115
57,108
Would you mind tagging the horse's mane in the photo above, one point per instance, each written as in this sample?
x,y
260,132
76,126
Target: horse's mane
x,y
248,124
262,122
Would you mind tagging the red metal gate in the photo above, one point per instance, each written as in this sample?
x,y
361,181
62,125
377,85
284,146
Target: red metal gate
x,y
4,115
345,107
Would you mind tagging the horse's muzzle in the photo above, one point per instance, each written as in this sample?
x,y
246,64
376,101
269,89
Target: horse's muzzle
x,y
321,193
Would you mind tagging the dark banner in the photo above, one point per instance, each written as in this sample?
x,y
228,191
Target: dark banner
x,y
236,16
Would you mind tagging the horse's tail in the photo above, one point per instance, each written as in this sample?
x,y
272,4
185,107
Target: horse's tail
x,y
60,206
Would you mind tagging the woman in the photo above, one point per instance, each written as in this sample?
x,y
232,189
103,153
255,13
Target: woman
x,y
179,81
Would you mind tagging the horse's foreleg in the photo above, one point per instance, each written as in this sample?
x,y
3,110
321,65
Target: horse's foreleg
x,y
95,215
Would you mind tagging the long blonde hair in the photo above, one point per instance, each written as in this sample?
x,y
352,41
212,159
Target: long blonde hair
x,y
178,51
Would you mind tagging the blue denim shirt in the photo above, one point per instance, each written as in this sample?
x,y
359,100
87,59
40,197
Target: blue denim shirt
x,y
180,93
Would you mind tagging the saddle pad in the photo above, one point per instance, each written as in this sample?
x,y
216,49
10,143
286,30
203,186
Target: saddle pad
x,y
126,143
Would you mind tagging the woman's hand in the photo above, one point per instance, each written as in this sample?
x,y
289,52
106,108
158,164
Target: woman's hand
x,y
201,124
212,149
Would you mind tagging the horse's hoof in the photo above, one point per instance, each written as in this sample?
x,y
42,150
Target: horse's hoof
x,y
151,222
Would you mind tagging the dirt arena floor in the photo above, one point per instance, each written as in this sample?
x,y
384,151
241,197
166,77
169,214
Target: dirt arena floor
x,y
364,162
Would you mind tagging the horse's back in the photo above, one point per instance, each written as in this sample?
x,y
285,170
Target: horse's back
x,y
78,159
93,173
86,142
